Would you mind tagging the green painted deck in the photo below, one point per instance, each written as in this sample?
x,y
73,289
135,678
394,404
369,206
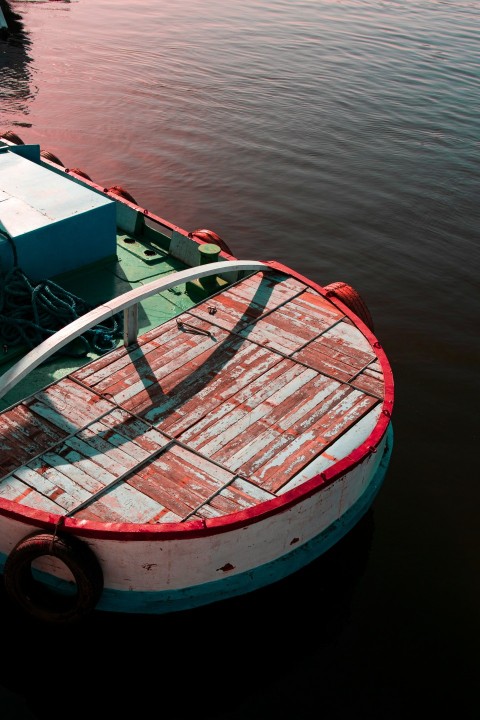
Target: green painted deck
x,y
138,262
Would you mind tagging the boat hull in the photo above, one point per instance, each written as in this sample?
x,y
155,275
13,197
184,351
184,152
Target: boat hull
x,y
156,576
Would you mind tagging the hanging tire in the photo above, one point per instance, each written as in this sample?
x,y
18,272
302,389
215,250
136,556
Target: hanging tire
x,y
121,192
40,600
12,137
209,236
351,298
47,155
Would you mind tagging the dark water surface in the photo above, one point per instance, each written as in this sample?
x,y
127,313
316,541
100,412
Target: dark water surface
x,y
342,138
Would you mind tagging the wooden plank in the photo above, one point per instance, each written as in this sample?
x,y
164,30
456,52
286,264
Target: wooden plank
x,y
180,383
94,454
122,357
244,303
123,424
22,424
51,482
24,435
143,378
284,465
311,312
12,488
268,290
275,333
248,451
325,362
371,380
180,480
335,353
239,495
173,383
125,504
231,428
72,477
68,405
205,419
211,389
229,312
350,340
295,323
315,304
100,368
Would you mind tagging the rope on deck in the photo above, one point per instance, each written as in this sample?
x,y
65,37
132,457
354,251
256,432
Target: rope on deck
x,y
31,311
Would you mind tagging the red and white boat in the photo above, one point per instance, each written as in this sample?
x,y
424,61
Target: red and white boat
x,y
216,425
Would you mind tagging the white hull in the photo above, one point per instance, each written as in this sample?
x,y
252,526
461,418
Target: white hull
x,y
163,575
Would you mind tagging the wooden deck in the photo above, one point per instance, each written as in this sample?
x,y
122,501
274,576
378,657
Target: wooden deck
x,y
210,413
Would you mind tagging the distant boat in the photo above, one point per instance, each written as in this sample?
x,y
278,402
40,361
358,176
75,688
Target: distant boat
x,y
177,426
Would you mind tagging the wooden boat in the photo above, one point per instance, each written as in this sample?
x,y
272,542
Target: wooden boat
x,y
177,426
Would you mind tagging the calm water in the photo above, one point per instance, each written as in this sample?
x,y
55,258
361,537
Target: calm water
x,y
343,138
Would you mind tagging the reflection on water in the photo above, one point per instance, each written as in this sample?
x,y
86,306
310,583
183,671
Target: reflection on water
x,y
230,652
16,85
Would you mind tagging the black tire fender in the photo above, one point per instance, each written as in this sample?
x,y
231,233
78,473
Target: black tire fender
x,y
42,601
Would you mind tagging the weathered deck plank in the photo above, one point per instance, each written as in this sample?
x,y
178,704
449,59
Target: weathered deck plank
x,y
209,414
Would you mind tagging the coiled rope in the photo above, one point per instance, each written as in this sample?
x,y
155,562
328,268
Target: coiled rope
x,y
31,311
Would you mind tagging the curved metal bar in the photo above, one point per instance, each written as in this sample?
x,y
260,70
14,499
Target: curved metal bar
x,y
76,328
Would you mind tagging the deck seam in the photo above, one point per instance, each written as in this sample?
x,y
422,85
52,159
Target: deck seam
x,y
172,441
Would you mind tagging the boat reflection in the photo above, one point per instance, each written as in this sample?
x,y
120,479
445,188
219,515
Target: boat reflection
x,y
231,650
15,67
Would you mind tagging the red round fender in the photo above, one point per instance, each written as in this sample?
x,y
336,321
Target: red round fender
x,y
351,298
12,137
42,601
47,155
77,171
121,192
